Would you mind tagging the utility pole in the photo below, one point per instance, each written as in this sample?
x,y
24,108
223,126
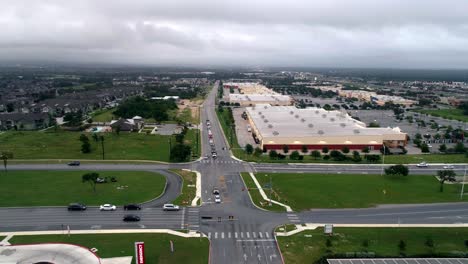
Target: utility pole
x,y
463,185
102,145
170,146
383,161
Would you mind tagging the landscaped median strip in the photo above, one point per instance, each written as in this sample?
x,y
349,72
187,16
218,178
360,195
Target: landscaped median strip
x,y
262,192
198,186
114,231
313,226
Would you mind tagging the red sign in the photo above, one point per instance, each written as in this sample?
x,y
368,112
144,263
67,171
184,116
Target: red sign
x,y
140,252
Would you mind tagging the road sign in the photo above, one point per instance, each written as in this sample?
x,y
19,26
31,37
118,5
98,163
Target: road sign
x,y
140,252
328,229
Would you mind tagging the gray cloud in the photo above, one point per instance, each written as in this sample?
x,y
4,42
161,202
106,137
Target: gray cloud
x,y
342,33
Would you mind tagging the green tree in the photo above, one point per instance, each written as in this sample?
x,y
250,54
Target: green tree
x,y
325,150
443,148
273,154
85,145
101,138
258,152
304,149
5,155
249,149
180,153
90,178
180,138
345,150
365,150
460,147
117,130
356,156
295,155
402,245
372,158
399,169
316,154
445,175
424,148
285,149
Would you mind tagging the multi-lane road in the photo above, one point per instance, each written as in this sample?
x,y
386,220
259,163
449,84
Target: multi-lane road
x,y
239,232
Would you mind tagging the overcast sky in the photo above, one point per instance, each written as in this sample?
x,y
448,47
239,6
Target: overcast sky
x,y
336,33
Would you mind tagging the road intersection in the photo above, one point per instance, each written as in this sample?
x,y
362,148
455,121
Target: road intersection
x,y
239,231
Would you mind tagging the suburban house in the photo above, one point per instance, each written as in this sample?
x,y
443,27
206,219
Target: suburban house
x,y
24,121
133,124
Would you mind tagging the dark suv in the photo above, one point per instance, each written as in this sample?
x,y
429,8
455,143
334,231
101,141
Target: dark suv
x,y
131,218
76,207
74,163
132,207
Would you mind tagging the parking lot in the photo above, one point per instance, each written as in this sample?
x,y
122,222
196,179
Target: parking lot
x,y
243,136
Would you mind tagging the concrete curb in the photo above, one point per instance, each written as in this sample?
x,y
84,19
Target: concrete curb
x,y
313,226
262,193
116,231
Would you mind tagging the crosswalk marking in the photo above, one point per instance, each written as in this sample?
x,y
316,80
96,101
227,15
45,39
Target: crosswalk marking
x,y
242,234
260,235
235,234
267,235
254,235
216,235
209,235
229,235
248,234
222,234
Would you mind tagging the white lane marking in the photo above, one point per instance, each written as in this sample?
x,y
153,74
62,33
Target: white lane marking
x,y
255,240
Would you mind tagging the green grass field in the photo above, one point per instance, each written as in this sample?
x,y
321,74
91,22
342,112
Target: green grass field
x,y
186,250
455,113
104,115
310,246
305,191
257,198
66,145
188,192
42,188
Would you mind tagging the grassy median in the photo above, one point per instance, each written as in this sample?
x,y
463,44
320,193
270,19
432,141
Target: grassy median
x,y
304,191
311,246
48,188
257,198
189,188
186,250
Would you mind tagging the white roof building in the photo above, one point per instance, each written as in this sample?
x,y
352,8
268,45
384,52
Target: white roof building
x,y
276,126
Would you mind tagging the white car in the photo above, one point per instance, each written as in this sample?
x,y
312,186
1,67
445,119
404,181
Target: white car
x,y
423,165
170,207
217,199
107,207
448,167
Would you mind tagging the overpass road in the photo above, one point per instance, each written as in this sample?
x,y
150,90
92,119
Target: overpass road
x,y
239,232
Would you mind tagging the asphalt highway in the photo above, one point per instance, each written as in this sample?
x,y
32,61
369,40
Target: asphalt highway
x,y
239,232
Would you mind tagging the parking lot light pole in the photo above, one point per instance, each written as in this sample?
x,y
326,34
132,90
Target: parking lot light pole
x,y
463,185
383,161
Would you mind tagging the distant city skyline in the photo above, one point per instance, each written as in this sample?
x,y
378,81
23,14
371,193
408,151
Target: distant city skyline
x,y
298,33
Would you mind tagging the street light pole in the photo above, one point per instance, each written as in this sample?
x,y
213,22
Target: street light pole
x,y
271,189
383,161
463,185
